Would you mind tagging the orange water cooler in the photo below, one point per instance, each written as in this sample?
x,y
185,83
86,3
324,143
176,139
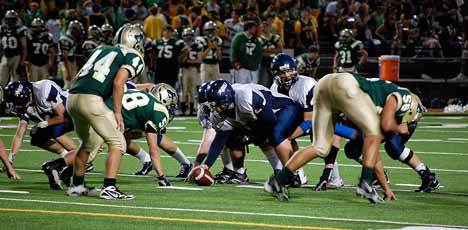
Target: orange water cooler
x,y
389,67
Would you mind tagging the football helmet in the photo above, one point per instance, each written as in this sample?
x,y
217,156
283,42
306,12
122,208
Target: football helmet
x,y
415,110
94,32
188,33
37,25
346,35
209,29
11,18
220,94
167,95
18,93
75,29
131,36
202,91
284,70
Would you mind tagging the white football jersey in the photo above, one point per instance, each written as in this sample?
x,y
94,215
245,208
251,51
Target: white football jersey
x,y
301,91
47,95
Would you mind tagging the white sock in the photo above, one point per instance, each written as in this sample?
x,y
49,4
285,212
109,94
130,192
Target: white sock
x,y
180,157
64,153
335,171
273,158
240,170
227,161
143,156
420,167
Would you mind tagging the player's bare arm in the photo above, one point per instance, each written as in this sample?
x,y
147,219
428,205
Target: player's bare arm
x,y
117,94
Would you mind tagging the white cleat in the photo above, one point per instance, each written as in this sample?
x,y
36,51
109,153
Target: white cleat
x,y
81,190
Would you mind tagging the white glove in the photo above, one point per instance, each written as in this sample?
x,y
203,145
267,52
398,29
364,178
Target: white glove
x,y
43,124
11,157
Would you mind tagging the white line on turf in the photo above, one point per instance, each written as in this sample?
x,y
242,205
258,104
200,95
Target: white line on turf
x,y
180,188
14,191
283,215
415,185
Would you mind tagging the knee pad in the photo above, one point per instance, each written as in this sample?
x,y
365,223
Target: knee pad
x,y
353,150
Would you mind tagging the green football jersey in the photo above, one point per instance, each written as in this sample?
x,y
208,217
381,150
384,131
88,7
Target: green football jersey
x,y
381,90
98,74
142,112
247,51
168,51
348,54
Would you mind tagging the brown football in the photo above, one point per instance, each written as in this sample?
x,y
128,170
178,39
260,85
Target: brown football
x,y
202,176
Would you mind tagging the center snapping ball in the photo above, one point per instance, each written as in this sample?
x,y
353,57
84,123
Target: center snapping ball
x,y
202,176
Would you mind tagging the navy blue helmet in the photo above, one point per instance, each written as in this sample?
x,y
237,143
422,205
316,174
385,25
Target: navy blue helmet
x,y
202,91
280,63
221,93
18,93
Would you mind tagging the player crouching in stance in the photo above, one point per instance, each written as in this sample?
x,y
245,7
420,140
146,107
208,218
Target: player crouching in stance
x,y
104,75
42,102
401,112
333,94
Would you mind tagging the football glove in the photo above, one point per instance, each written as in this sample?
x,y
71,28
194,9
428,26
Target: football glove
x,y
43,124
163,182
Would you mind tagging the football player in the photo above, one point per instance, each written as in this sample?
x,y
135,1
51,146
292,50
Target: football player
x,y
301,89
308,63
190,70
168,50
71,52
42,52
350,54
14,45
104,75
351,95
11,172
107,34
93,41
211,54
42,102
402,110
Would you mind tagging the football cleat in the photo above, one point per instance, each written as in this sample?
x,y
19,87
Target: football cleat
x,y
224,176
429,182
280,192
66,175
89,167
184,170
335,182
113,193
238,178
163,181
81,190
52,174
321,185
145,169
364,190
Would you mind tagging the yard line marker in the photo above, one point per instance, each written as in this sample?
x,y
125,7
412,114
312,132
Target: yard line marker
x,y
235,213
166,219
176,128
180,188
14,191
249,186
415,185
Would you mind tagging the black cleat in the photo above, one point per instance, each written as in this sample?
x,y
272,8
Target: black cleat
x,y
364,190
238,178
224,176
280,192
145,169
184,170
429,182
52,174
66,175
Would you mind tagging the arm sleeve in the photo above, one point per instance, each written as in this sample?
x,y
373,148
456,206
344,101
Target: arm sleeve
x,y
134,63
216,147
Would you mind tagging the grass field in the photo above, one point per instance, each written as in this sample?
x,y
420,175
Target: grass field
x,y
442,143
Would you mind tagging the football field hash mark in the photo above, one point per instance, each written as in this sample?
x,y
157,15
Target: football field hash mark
x,y
14,191
181,188
235,213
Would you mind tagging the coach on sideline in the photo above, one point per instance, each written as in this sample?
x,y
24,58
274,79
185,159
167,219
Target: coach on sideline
x,y
246,55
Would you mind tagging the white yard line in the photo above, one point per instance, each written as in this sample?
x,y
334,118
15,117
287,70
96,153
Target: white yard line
x,y
279,215
14,191
180,188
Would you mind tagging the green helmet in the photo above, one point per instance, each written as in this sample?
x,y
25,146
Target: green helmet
x,y
131,36
167,95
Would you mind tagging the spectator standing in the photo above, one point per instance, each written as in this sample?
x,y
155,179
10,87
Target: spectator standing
x,y
153,24
96,18
140,10
180,21
32,12
306,31
246,55
53,26
212,5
